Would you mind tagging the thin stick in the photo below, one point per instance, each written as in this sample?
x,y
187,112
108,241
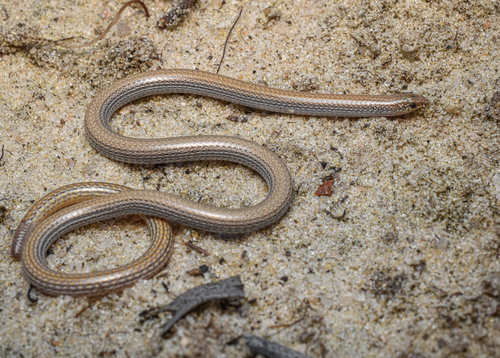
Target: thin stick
x,y
196,248
115,20
227,39
288,324
1,157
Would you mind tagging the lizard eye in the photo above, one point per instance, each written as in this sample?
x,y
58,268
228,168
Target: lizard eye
x,y
413,105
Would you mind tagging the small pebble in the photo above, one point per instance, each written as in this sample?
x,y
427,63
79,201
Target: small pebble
x,y
122,29
195,272
325,189
272,12
451,109
185,342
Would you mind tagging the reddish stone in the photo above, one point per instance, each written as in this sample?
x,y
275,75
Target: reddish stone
x,y
325,188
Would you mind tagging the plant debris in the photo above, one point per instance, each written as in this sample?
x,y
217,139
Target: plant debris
x,y
325,189
176,15
269,349
189,300
196,248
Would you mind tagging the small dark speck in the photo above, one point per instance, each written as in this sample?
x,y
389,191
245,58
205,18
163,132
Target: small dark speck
x,y
165,286
221,261
204,268
32,296
3,213
187,171
284,278
324,164
233,342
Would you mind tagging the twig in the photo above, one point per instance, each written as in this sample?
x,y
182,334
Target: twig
x,y
360,44
227,39
197,248
115,20
269,349
287,324
82,310
189,300
1,157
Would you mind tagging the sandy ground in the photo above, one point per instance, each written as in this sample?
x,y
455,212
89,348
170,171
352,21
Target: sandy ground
x,y
412,269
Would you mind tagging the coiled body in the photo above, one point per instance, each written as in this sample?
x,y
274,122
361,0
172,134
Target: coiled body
x,y
63,201
37,237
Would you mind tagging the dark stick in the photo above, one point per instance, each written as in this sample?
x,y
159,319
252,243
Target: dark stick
x,y
182,305
269,349
197,248
1,157
227,39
